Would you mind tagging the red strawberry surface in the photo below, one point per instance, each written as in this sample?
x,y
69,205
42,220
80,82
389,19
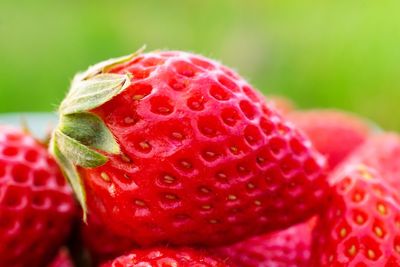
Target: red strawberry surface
x,y
63,259
361,226
381,152
334,133
176,148
102,243
183,257
287,248
36,204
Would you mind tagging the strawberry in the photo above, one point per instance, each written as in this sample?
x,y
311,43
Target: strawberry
x,y
171,147
101,242
361,225
335,134
63,259
183,257
381,152
291,247
36,204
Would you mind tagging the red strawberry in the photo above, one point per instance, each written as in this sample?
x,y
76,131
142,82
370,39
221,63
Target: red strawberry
x,y
291,247
335,134
102,243
176,148
166,257
361,226
62,260
36,204
381,152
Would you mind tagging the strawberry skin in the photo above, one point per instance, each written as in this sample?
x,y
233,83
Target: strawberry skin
x,y
291,247
182,257
381,152
335,134
203,159
63,259
36,204
361,225
101,242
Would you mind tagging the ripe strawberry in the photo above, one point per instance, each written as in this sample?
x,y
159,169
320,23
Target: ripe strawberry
x,y
63,259
36,204
175,148
361,226
166,257
291,247
335,134
101,242
381,152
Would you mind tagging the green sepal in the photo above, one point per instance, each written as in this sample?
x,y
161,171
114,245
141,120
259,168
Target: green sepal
x,y
77,153
89,130
107,65
81,137
72,175
88,94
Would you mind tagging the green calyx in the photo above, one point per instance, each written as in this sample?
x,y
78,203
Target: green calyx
x,y
81,138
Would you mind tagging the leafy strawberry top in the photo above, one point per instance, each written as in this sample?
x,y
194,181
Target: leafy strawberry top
x,y
81,138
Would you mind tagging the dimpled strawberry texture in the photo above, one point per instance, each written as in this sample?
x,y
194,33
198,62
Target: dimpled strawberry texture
x,y
166,257
361,227
381,152
205,160
36,204
287,248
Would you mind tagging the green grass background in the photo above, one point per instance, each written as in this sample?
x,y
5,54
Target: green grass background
x,y
322,54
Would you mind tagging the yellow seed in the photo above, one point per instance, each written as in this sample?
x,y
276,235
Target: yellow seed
x,y
169,179
251,185
359,219
357,197
144,145
186,164
382,209
170,197
125,158
222,175
138,97
343,232
140,203
206,207
210,154
234,149
371,254
213,221
352,250
397,248
105,177
378,231
364,172
129,120
232,197
204,190
257,202
260,160
177,135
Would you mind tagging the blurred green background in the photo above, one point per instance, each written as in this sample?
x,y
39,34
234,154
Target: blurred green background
x,y
343,54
